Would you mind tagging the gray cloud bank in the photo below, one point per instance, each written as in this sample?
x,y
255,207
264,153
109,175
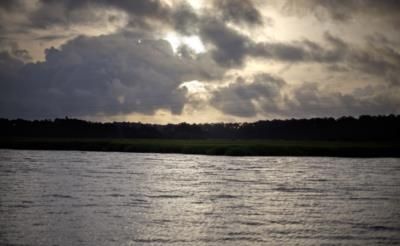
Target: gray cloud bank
x,y
345,10
113,74
269,95
133,71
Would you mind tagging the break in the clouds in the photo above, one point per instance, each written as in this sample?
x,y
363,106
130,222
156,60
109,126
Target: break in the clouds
x,y
217,60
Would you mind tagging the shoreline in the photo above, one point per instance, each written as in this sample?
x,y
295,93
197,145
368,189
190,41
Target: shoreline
x,y
212,147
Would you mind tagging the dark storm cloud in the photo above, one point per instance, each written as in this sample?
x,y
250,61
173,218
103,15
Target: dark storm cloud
x,y
270,95
281,52
239,12
150,8
109,75
9,65
67,13
376,58
152,17
309,100
144,15
230,47
9,69
238,98
9,5
134,72
141,12
301,51
184,20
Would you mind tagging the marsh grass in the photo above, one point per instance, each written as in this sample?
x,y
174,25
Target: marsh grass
x,y
212,146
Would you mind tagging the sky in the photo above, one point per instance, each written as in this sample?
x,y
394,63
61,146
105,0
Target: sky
x,y
198,61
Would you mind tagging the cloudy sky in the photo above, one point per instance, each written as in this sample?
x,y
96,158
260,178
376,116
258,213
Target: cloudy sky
x,y
198,60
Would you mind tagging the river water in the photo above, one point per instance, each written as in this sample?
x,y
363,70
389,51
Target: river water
x,y
95,198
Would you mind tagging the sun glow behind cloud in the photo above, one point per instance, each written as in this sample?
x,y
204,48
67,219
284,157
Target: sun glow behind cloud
x,y
196,4
193,86
219,52
194,42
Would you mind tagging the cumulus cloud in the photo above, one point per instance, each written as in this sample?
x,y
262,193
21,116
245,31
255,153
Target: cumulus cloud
x,y
268,95
242,98
113,74
310,100
123,66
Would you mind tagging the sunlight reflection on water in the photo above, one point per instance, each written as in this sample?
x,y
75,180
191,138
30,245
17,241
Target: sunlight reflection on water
x,y
94,198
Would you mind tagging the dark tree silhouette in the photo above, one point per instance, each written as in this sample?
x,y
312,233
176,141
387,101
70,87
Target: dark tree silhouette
x,y
364,128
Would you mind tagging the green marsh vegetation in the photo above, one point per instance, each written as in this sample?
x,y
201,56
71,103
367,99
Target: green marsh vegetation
x,y
365,136
212,146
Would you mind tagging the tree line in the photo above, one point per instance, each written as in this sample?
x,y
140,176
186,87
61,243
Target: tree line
x,y
363,128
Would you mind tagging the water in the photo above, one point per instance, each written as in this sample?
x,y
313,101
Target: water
x,y
93,198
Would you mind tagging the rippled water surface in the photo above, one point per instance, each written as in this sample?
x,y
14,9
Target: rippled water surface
x,y
93,198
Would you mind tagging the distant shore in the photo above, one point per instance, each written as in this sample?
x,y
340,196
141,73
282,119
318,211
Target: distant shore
x,y
212,146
